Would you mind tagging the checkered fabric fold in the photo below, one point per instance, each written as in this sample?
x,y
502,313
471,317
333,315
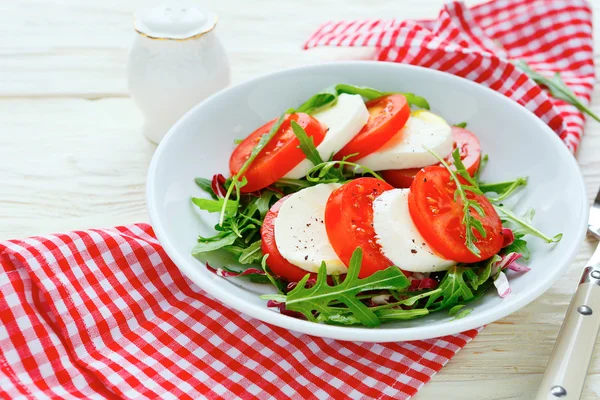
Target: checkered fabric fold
x,y
479,44
104,314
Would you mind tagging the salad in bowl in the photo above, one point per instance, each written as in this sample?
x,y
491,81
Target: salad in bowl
x,y
363,207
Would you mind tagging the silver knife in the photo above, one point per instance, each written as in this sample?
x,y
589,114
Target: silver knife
x,y
570,359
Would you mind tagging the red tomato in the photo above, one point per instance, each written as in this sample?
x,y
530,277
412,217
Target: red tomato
x,y
387,115
276,262
470,155
400,178
349,223
278,157
438,217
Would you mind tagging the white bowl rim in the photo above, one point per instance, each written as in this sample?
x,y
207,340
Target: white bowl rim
x,y
381,334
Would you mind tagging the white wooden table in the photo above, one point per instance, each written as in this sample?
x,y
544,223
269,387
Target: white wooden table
x,y
72,155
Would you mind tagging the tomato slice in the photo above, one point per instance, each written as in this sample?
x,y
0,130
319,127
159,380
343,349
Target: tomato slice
x,y
279,156
470,155
276,262
349,223
469,147
400,178
387,115
438,217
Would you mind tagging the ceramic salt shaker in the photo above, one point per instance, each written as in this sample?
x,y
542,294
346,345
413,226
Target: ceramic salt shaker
x,y
176,61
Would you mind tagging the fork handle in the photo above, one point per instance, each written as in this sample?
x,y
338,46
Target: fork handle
x,y
567,368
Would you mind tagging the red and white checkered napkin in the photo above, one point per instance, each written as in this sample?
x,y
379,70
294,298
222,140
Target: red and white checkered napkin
x,y
105,314
477,44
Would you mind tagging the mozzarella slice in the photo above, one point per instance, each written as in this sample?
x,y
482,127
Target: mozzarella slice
x,y
300,232
398,236
405,149
343,120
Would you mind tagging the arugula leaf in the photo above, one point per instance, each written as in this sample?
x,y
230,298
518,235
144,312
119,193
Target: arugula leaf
x,y
260,204
469,221
319,101
293,185
218,205
205,246
415,100
482,164
384,315
519,245
206,185
454,310
502,189
370,94
486,271
366,92
463,313
251,254
278,283
329,96
319,297
557,88
524,224
453,289
307,144
256,278
461,125
333,171
236,183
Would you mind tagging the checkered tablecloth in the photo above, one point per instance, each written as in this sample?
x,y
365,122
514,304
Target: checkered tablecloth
x,y
479,43
105,314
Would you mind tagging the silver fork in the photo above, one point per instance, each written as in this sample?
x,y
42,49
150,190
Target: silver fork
x,y
570,359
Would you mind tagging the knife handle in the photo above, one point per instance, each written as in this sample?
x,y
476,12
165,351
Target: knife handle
x,y
567,368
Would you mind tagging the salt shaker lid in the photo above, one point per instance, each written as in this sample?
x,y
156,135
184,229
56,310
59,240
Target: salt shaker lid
x,y
174,21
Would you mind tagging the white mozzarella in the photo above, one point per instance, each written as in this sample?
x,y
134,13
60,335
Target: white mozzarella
x,y
405,149
300,232
398,236
343,121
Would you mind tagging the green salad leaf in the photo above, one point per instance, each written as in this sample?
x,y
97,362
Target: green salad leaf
x,y
461,125
239,234
523,224
206,245
220,205
502,189
328,97
206,185
338,172
320,296
251,254
454,310
383,315
519,245
307,144
452,290
324,99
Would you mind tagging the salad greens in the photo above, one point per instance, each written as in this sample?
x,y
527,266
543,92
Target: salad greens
x,y
326,300
524,225
387,295
329,96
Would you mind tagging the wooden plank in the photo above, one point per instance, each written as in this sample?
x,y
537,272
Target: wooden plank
x,y
79,48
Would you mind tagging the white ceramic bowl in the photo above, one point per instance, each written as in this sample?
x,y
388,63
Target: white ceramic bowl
x,y
518,144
